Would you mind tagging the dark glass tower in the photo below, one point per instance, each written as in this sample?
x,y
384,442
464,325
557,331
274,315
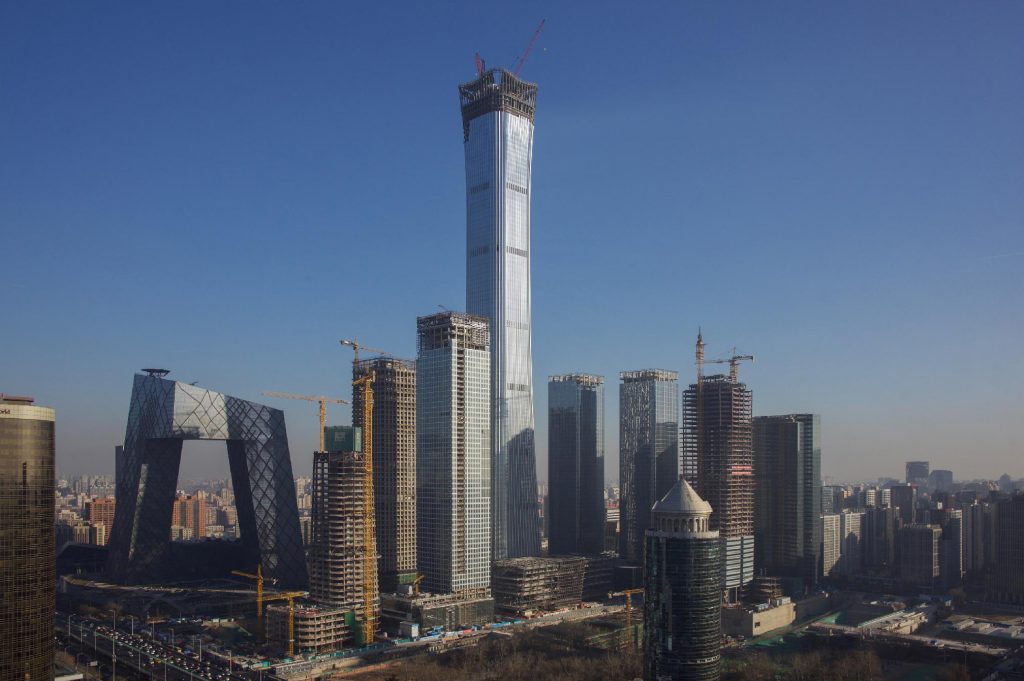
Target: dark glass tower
x,y
787,501
26,540
497,123
576,464
648,451
683,598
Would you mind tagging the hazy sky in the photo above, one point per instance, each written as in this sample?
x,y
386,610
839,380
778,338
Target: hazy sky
x,y
226,189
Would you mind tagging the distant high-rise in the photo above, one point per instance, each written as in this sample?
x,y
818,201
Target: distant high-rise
x,y
497,124
394,464
919,556
27,564
787,501
337,549
904,497
1007,580
683,597
648,451
940,480
879,548
851,539
830,543
917,473
453,458
722,432
576,464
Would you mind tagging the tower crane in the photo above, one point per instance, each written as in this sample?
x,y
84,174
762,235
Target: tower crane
x,y
311,398
365,383
628,593
289,596
258,578
734,364
529,48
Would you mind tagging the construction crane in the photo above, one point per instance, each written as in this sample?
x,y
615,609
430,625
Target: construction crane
x,y
628,593
416,584
311,398
480,66
733,362
289,596
258,578
529,48
365,383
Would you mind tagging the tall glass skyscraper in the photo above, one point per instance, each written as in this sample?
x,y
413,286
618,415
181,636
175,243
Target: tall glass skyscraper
x,y
497,123
648,451
576,464
453,459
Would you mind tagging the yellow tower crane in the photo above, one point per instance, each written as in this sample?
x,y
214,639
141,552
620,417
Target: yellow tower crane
x,y
289,596
311,398
734,364
628,593
365,382
258,578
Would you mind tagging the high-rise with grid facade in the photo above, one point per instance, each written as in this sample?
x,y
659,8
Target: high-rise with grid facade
x,y
453,453
718,422
648,451
497,124
394,464
27,565
787,499
576,464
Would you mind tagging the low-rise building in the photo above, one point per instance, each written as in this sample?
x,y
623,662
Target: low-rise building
x,y
451,611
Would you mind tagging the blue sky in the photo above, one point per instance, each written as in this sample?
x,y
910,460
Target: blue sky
x,y
226,189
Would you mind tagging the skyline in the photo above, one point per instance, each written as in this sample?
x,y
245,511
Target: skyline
x,y
198,184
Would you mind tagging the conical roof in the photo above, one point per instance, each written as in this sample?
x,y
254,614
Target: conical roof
x,y
682,500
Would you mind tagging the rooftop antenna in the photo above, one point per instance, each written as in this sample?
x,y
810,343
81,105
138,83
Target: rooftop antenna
x,y
529,48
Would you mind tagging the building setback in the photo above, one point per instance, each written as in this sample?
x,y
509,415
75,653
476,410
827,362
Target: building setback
x,y
722,431
453,461
787,468
576,464
497,122
648,451
394,464
683,597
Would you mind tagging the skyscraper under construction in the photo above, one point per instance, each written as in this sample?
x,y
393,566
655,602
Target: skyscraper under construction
x,y
717,415
394,464
497,122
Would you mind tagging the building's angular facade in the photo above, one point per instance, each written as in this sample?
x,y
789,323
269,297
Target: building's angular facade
x,y
576,464
162,415
497,119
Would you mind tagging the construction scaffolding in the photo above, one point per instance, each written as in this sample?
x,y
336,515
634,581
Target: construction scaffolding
x,y
338,566
523,585
317,629
394,464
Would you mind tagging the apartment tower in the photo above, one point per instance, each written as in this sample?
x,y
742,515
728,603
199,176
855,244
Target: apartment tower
x,y
453,453
576,464
497,123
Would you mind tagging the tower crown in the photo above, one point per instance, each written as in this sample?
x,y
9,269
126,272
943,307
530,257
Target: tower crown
x,y
681,510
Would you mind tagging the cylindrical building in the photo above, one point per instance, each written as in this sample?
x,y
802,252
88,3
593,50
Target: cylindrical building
x,y
683,598
26,540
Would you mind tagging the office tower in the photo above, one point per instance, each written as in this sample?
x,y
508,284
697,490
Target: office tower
x,y
717,412
974,537
576,464
101,511
453,458
787,499
885,497
951,547
161,416
497,125
904,497
1007,579
941,480
919,555
189,512
341,575
394,464
832,498
851,538
683,596
27,562
830,543
917,473
880,539
648,451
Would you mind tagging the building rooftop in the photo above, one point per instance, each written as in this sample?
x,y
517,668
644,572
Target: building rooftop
x,y
682,500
